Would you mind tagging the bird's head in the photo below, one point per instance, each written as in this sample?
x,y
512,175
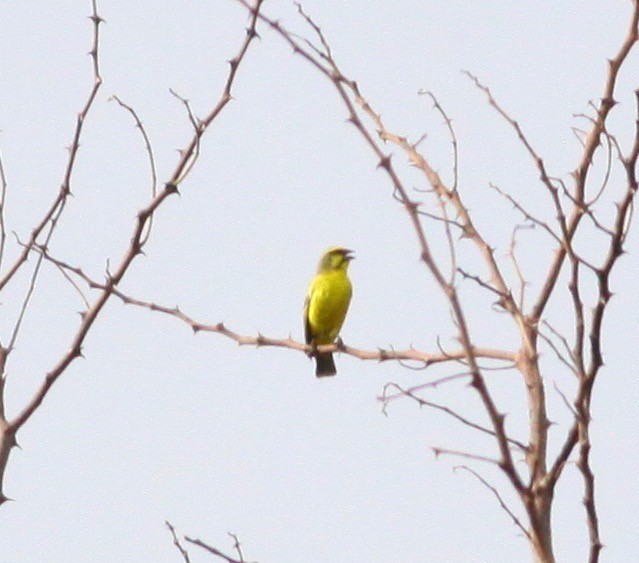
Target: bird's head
x,y
335,258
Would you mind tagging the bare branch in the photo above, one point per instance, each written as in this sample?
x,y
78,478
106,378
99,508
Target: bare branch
x,y
579,432
3,203
518,271
348,88
561,357
499,498
451,412
457,453
237,547
410,354
483,284
52,217
149,152
195,155
565,400
539,163
442,202
9,430
54,212
592,519
590,146
386,398
176,542
453,136
213,550
443,219
527,215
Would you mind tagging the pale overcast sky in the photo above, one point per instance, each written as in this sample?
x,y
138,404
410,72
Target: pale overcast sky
x,y
155,423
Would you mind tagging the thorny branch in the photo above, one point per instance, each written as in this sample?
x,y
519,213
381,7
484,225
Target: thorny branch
x,y
54,212
47,226
584,357
442,408
149,151
138,239
570,205
214,551
3,203
176,542
209,548
499,498
380,355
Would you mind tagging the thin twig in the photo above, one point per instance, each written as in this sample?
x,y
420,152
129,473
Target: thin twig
x,y
499,498
386,398
467,455
3,203
565,400
149,151
451,412
558,353
527,215
212,550
518,271
54,212
538,161
50,221
176,542
237,547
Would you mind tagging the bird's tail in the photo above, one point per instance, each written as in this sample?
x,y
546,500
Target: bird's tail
x,y
325,364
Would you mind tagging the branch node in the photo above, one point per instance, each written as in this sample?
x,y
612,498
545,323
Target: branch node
x,y
171,188
385,162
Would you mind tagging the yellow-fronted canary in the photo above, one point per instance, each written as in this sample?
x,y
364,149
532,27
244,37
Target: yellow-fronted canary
x,y
326,305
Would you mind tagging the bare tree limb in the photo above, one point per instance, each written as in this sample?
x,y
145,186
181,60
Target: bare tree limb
x,y
451,412
237,547
149,152
176,542
213,550
466,455
499,498
381,355
54,212
89,316
3,203
590,146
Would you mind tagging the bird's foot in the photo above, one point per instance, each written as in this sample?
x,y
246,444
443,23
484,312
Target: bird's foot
x,y
313,351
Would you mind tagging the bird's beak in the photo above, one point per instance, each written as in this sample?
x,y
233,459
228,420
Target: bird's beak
x,y
349,255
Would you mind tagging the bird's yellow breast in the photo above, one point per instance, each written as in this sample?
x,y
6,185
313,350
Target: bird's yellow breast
x,y
328,298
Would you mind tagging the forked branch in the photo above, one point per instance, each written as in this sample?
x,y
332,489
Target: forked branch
x,y
137,240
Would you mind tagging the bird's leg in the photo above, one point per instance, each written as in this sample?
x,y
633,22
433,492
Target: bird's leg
x,y
339,344
313,351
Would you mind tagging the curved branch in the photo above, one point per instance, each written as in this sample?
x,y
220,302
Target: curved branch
x,y
89,316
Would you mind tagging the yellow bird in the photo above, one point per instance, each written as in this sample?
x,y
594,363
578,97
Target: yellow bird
x,y
326,305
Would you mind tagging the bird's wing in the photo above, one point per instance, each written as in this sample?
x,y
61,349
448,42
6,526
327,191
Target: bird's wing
x,y
307,327
308,331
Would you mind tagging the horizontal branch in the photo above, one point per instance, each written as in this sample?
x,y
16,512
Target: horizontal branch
x,y
381,354
466,455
